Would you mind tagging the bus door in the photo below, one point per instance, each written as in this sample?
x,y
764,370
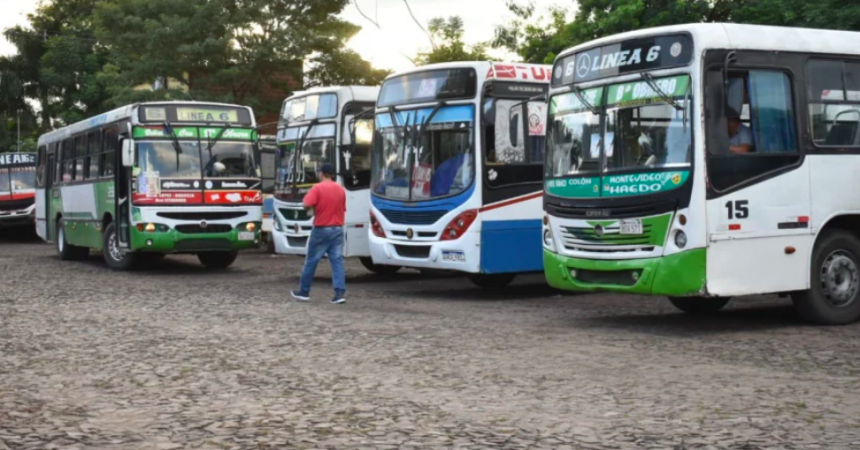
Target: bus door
x,y
759,202
48,199
122,194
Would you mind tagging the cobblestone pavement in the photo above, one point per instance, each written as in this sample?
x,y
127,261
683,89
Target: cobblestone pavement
x,y
181,357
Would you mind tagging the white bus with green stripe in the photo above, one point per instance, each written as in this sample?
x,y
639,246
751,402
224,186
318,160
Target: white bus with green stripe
x,y
709,161
150,179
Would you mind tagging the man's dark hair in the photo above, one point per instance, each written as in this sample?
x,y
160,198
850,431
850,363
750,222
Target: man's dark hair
x,y
327,169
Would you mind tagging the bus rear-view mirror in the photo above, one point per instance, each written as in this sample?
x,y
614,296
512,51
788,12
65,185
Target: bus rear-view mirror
x,y
127,153
735,97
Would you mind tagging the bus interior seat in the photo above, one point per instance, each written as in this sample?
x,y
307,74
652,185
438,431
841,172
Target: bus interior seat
x,y
844,133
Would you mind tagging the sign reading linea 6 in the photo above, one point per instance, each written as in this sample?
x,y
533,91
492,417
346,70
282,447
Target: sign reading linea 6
x,y
635,55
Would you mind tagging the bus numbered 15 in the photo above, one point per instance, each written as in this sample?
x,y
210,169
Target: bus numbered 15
x,y
331,125
707,161
149,179
457,169
17,190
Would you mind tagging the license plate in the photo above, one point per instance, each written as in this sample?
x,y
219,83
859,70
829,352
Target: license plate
x,y
454,256
246,235
631,226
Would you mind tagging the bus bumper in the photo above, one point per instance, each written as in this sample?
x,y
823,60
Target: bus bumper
x,y
291,243
462,255
172,241
678,275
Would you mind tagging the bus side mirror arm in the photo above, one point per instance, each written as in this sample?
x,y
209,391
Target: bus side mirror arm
x,y
128,158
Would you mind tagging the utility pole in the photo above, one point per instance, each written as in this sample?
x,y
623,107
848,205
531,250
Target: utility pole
x,y
19,130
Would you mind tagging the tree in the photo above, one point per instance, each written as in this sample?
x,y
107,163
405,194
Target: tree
x,y
342,68
540,39
237,51
447,40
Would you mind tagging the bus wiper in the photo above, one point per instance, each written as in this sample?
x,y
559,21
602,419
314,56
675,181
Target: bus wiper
x,y
577,91
650,80
426,122
175,141
296,152
211,143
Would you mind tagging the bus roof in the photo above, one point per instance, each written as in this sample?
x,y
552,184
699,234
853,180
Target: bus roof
x,y
356,93
121,113
745,37
503,71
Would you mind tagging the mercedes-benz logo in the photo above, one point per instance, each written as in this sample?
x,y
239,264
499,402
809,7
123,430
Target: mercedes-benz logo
x,y
203,224
409,233
583,65
598,230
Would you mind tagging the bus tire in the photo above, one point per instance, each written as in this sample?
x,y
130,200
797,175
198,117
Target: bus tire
x,y
492,281
115,257
69,252
217,260
834,294
699,305
379,269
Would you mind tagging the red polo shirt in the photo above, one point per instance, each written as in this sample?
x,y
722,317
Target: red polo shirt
x,y
329,202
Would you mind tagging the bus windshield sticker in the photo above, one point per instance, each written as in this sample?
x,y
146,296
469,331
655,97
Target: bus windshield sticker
x,y
206,115
639,93
617,185
537,119
630,56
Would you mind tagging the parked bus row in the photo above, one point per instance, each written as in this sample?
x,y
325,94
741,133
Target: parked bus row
x,y
698,162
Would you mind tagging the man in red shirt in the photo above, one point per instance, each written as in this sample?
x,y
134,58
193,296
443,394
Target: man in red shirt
x,y
328,199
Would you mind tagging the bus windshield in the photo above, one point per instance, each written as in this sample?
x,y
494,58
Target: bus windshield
x,y
161,159
21,179
643,127
229,160
318,148
415,162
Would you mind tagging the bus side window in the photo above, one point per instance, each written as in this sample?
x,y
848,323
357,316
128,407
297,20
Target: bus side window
x,y
68,160
514,139
834,103
93,150
763,138
40,167
108,157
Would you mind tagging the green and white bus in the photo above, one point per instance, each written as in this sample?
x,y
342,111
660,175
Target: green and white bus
x,y
703,162
149,179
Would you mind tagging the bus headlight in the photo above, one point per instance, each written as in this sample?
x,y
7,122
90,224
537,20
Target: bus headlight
x,y
680,239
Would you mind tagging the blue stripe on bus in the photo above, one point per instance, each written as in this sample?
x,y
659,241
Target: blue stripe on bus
x,y
459,113
509,246
268,204
445,204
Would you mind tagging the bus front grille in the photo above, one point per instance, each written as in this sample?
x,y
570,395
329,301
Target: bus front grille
x,y
295,214
609,239
297,242
413,251
210,228
16,205
202,215
412,217
616,277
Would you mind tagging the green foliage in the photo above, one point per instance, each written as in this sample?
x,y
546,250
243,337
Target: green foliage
x,y
448,45
539,39
342,67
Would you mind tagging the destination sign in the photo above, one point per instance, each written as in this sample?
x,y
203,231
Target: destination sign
x,y
184,114
17,159
630,56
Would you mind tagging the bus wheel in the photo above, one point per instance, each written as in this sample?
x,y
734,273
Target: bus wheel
x,y
69,252
115,257
270,243
834,294
379,269
492,281
698,305
217,260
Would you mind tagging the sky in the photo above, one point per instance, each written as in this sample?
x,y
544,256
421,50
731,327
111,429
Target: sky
x,y
384,47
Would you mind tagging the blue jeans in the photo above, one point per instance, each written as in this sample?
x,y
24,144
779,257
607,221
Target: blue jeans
x,y
327,240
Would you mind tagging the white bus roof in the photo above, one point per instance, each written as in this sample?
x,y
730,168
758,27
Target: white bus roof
x,y
122,113
356,93
745,37
508,71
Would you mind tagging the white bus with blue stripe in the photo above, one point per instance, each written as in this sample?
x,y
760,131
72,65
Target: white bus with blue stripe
x,y
458,169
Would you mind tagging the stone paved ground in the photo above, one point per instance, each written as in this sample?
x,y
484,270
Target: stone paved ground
x,y
179,357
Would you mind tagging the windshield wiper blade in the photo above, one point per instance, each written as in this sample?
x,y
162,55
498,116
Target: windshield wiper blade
x,y
650,80
173,140
577,91
296,151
